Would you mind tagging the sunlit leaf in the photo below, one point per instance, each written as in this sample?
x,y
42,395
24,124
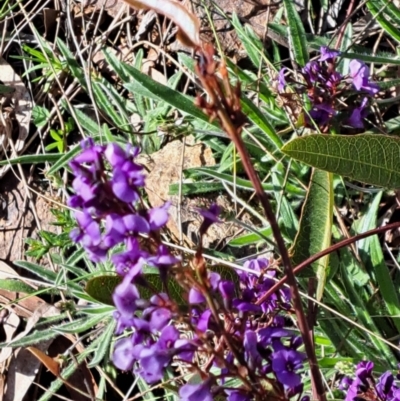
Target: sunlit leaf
x,y
372,159
314,233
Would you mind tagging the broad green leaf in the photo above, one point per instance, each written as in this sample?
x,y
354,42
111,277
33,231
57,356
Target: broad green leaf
x,y
314,234
102,287
297,34
372,159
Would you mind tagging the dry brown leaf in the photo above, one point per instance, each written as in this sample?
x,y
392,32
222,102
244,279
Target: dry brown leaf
x,y
187,22
51,364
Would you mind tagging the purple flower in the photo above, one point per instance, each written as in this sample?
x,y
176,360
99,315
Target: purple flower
x,y
196,392
154,359
321,114
312,72
251,354
163,258
385,385
123,357
210,217
356,119
285,363
158,216
125,183
125,297
238,395
282,79
115,155
195,296
328,54
359,72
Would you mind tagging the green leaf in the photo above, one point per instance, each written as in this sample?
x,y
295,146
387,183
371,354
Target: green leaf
x,y
79,325
32,159
252,44
15,286
105,343
314,234
297,34
245,184
250,239
371,253
155,90
102,287
40,116
258,118
372,159
195,188
377,9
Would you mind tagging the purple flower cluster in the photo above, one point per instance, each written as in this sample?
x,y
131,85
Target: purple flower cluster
x,y
328,91
365,387
242,336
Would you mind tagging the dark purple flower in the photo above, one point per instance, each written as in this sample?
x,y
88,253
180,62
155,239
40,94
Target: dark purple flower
x,y
328,54
154,359
251,354
203,323
196,392
359,72
385,385
321,114
210,217
312,72
115,230
238,395
126,181
158,313
356,119
285,363
364,370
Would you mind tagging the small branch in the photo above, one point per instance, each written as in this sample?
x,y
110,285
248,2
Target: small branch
x,y
325,252
224,104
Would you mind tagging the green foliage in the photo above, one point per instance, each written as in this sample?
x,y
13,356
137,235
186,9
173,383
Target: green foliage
x,y
369,158
315,230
